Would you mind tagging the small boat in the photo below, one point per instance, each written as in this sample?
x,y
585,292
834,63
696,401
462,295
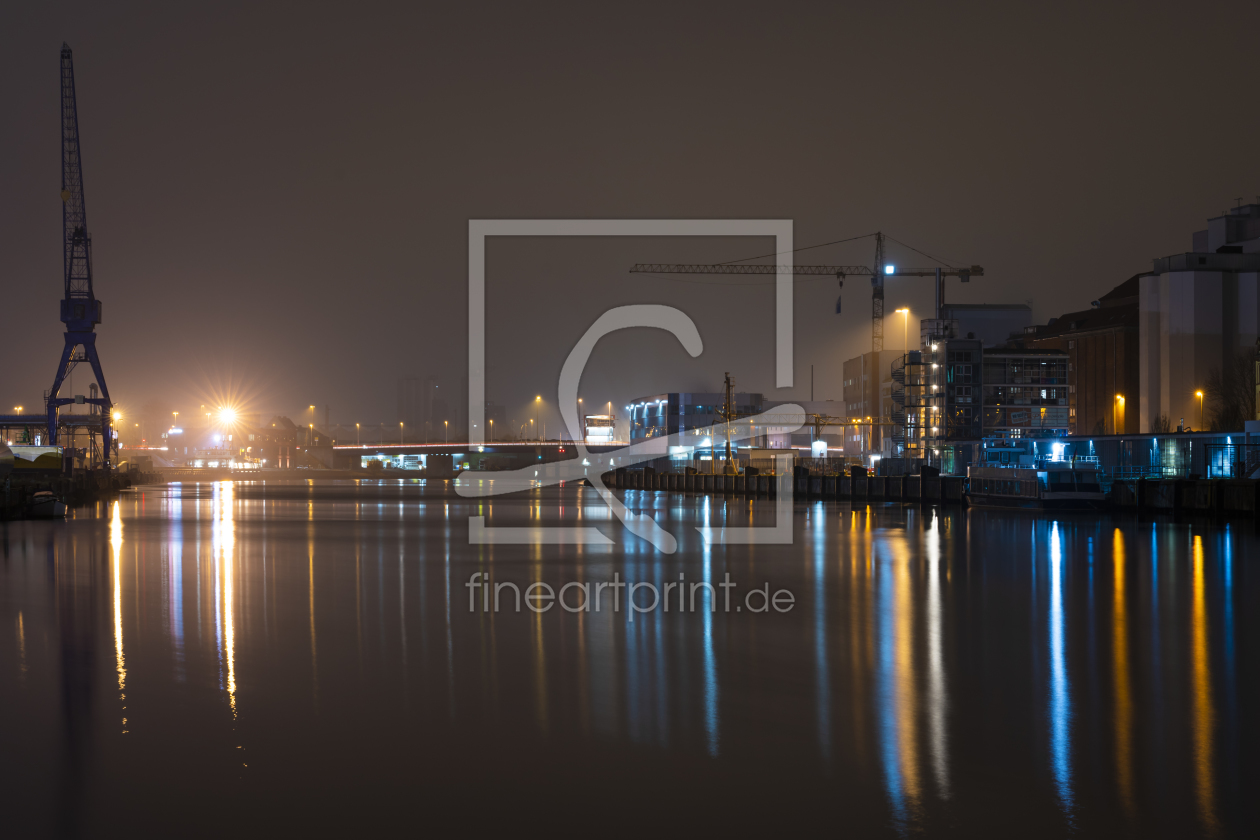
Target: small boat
x,y
1011,478
45,505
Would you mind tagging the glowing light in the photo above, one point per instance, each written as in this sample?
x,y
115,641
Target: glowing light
x,y
117,415
115,542
889,269
227,416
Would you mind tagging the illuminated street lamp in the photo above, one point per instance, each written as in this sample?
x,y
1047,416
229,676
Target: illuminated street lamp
x,y
400,431
492,430
356,434
18,409
447,424
905,329
1199,394
1117,412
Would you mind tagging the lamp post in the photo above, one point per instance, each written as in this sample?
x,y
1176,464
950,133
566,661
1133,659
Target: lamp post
x,y
538,410
905,330
1199,394
356,434
492,430
18,409
1117,413
447,424
400,431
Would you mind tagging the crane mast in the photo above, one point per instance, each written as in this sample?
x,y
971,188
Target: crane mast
x,y
78,245
80,310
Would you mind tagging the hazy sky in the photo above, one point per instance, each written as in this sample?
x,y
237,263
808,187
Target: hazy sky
x,y
279,194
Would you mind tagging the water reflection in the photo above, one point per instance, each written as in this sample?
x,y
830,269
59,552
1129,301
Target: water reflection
x,y
1201,681
897,695
1060,709
1120,658
223,544
927,653
115,557
938,695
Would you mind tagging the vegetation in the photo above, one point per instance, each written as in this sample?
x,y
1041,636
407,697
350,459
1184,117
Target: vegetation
x,y
1231,394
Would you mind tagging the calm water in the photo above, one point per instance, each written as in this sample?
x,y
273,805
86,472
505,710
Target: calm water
x,y
242,660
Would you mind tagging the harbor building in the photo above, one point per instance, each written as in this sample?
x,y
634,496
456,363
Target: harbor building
x,y
1199,312
1103,361
662,415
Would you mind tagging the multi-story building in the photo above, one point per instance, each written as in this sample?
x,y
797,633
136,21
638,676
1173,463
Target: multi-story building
x,y
868,398
1025,393
1199,313
1103,361
937,393
991,323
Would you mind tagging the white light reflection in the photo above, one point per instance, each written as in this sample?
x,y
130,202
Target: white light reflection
x,y
710,660
1060,691
120,660
224,536
938,694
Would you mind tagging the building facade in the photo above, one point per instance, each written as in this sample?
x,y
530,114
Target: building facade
x,y
1198,313
1025,393
1104,366
662,415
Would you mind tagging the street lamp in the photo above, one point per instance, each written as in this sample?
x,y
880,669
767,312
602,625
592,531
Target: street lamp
x,y
1117,412
356,434
400,431
447,424
18,409
905,329
492,430
1199,394
538,408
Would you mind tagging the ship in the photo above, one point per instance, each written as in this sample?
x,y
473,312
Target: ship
x,y
1014,474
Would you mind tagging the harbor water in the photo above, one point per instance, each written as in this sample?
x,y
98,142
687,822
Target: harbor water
x,y
327,658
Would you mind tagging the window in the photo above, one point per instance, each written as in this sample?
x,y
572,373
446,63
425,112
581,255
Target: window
x,y
1071,345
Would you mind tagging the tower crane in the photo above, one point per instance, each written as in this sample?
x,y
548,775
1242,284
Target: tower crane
x,y
80,310
877,275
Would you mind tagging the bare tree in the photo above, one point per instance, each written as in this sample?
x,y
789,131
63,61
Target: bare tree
x,y
1161,425
1231,394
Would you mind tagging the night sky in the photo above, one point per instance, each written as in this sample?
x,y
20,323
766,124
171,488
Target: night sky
x,y
278,195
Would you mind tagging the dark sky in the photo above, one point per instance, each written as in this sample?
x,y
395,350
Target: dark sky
x,y
278,194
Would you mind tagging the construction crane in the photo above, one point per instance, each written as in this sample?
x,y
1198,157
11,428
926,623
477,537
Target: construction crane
x,y
877,275
80,310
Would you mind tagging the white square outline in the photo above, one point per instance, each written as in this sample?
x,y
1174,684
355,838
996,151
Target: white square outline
x,y
479,229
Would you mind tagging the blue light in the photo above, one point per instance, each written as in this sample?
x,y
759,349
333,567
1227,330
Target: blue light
x,y
889,269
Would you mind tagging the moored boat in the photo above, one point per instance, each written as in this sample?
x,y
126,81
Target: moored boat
x,y
1012,477
45,505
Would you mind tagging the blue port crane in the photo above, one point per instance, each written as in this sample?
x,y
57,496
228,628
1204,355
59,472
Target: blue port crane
x,y
80,310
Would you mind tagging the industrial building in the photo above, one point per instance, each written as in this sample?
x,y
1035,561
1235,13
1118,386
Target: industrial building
x,y
1199,312
1103,361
